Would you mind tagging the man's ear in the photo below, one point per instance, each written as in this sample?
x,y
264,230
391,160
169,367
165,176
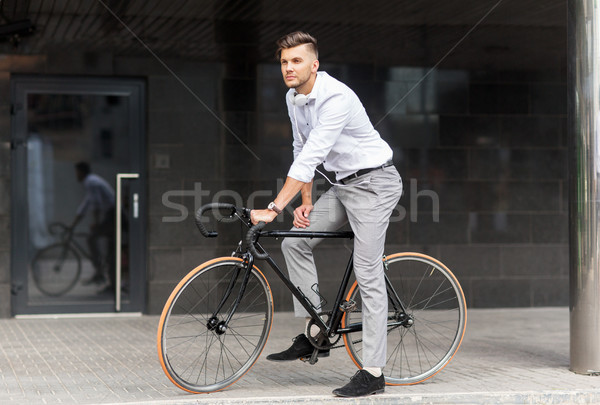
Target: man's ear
x,y
315,66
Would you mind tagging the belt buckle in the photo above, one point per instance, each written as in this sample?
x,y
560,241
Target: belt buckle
x,y
352,176
348,178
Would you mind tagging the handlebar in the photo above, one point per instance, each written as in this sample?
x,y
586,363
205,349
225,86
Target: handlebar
x,y
250,240
206,207
245,212
254,231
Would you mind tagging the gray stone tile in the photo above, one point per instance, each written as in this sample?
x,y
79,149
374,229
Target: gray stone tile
x,y
528,261
496,292
471,261
517,354
499,228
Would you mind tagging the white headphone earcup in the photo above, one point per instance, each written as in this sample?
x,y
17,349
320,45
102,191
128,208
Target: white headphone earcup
x,y
300,99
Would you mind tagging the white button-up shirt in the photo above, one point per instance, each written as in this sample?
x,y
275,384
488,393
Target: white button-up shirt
x,y
333,128
99,195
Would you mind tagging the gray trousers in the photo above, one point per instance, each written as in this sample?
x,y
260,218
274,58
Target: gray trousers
x,y
367,204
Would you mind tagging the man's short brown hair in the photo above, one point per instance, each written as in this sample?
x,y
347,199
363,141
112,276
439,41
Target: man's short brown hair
x,y
294,39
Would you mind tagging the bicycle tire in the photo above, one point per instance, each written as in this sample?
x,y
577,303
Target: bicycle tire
x,y
436,304
194,356
56,269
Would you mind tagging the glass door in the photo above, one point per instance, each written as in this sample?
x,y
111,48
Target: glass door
x,y
78,195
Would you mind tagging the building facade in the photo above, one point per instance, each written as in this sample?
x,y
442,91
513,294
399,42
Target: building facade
x,y
188,96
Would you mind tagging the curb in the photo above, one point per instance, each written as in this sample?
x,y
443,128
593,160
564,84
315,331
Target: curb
x,y
525,397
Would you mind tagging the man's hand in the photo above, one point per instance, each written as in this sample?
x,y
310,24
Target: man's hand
x,y
288,191
301,215
262,215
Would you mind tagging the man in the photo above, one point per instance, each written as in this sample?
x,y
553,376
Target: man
x,y
330,126
100,199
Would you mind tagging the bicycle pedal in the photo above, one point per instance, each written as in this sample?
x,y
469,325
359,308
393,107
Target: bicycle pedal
x,y
309,360
348,306
313,358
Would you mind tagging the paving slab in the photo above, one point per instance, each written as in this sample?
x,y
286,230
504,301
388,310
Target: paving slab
x,y
508,356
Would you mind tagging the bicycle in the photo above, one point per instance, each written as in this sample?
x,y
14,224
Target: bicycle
x,y
57,267
217,320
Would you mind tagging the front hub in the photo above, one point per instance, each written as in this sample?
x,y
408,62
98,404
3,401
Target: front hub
x,y
212,323
221,328
405,319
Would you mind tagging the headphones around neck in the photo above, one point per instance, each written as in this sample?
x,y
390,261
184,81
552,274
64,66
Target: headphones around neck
x,y
298,99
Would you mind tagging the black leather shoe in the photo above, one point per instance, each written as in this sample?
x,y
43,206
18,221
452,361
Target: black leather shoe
x,y
363,383
299,349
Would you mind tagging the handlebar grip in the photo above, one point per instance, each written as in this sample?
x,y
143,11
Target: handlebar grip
x,y
250,240
206,207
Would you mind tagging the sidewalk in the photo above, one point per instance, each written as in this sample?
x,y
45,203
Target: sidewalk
x,y
508,356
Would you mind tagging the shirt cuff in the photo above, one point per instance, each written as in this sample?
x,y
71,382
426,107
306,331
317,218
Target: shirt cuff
x,y
301,174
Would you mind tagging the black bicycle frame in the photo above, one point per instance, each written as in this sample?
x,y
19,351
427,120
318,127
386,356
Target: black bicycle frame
x,y
331,327
327,329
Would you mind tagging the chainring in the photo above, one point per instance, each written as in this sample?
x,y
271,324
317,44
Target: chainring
x,y
326,342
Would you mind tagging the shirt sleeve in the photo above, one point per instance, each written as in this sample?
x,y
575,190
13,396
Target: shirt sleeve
x,y
92,198
332,116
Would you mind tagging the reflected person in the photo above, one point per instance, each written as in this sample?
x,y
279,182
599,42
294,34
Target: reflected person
x,y
99,200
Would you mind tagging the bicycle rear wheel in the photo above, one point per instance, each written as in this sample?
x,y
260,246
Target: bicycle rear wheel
x,y
56,269
198,349
437,318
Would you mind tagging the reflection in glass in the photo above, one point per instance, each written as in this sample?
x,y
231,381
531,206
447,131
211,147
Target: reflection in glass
x,y
71,209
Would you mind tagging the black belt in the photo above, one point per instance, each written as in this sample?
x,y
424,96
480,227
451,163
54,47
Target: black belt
x,y
362,172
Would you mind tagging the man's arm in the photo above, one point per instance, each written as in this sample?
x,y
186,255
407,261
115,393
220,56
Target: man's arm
x,y
76,220
81,210
287,193
306,193
301,212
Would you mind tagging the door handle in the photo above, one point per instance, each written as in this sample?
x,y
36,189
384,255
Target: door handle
x,y
136,205
119,236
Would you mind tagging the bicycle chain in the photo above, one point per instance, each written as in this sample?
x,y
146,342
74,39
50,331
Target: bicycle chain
x,y
358,340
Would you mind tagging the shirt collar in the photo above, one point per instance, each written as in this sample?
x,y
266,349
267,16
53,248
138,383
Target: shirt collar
x,y
317,85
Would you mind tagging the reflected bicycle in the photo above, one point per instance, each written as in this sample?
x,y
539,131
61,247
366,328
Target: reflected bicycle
x,y
217,320
57,267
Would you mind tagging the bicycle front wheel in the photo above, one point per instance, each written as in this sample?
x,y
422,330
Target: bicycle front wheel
x,y
204,343
56,269
422,340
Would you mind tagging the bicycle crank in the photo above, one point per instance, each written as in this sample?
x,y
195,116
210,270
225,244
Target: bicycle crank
x,y
320,341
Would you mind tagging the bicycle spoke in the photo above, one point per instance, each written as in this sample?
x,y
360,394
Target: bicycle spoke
x,y
440,324
427,306
419,344
394,353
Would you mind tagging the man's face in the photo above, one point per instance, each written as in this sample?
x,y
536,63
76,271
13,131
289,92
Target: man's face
x,y
298,64
80,175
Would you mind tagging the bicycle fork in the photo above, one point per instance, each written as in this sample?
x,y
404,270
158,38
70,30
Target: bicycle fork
x,y
220,327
